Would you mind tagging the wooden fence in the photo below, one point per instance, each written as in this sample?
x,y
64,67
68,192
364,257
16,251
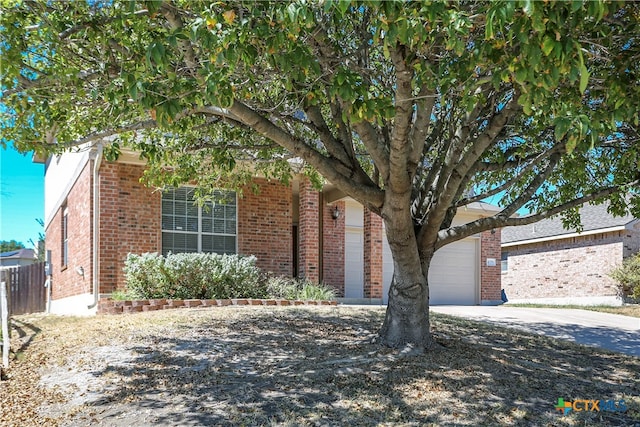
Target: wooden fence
x,y
25,286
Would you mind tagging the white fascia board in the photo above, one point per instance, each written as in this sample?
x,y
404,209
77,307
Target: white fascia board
x,y
130,157
565,236
632,224
481,208
61,176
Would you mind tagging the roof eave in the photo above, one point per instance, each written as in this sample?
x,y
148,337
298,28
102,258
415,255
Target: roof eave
x,y
565,236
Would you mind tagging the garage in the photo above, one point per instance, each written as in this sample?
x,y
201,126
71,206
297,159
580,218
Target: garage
x,y
353,263
453,276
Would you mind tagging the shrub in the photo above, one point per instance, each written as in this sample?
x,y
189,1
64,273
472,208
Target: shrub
x,y
316,292
119,295
192,276
628,276
290,288
282,287
143,276
209,276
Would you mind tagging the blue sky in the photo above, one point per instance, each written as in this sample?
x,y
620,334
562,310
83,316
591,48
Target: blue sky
x,y
21,196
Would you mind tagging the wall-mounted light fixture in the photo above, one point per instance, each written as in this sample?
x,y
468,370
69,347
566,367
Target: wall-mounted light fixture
x,y
335,213
80,271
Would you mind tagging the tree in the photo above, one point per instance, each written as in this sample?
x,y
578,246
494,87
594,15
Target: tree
x,y
39,244
414,109
10,245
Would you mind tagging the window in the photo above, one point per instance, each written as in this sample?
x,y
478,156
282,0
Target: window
x,y
504,263
65,236
186,227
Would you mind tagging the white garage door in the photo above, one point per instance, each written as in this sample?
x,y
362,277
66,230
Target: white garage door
x,y
353,263
453,276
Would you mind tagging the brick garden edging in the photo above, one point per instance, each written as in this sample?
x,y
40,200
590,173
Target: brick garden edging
x,y
109,306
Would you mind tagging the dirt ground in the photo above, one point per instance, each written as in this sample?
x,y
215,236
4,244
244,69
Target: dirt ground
x,y
312,366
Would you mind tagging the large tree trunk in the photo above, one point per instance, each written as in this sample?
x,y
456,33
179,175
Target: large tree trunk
x,y
406,323
407,319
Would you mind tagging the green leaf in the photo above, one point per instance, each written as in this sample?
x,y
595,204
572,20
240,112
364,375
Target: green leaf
x,y
562,125
488,30
343,6
538,23
572,142
521,75
292,11
547,45
525,102
584,78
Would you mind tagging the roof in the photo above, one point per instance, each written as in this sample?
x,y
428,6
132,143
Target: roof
x,y
592,217
19,254
480,207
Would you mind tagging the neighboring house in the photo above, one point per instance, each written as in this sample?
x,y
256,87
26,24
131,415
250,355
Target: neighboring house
x,y
18,257
96,212
545,263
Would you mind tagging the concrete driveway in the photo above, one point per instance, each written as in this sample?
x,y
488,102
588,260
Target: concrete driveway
x,y
609,331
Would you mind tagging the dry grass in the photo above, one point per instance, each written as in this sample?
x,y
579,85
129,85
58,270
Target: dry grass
x,y
632,310
625,310
299,366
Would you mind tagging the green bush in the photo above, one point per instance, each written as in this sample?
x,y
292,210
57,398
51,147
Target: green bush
x,y
209,276
628,276
192,276
316,292
143,276
282,287
290,288
119,295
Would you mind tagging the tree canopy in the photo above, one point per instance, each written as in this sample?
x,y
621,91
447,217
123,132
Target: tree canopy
x,y
10,245
414,109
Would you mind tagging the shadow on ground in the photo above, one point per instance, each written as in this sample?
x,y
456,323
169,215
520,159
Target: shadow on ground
x,y
319,367
26,333
597,336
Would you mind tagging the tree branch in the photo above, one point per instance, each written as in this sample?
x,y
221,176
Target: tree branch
x,y
533,186
334,147
399,149
375,147
531,162
448,187
101,22
498,221
170,12
421,124
147,124
353,182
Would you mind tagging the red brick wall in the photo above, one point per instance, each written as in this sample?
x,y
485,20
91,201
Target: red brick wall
x,y
490,277
264,226
130,221
372,255
66,280
564,268
309,233
333,248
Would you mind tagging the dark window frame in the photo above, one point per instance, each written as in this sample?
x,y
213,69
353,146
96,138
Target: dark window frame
x,y
188,227
65,237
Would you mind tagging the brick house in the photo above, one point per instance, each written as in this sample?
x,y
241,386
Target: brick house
x,y
96,212
18,258
545,263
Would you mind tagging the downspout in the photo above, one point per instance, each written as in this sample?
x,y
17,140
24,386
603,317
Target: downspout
x,y
321,237
96,225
